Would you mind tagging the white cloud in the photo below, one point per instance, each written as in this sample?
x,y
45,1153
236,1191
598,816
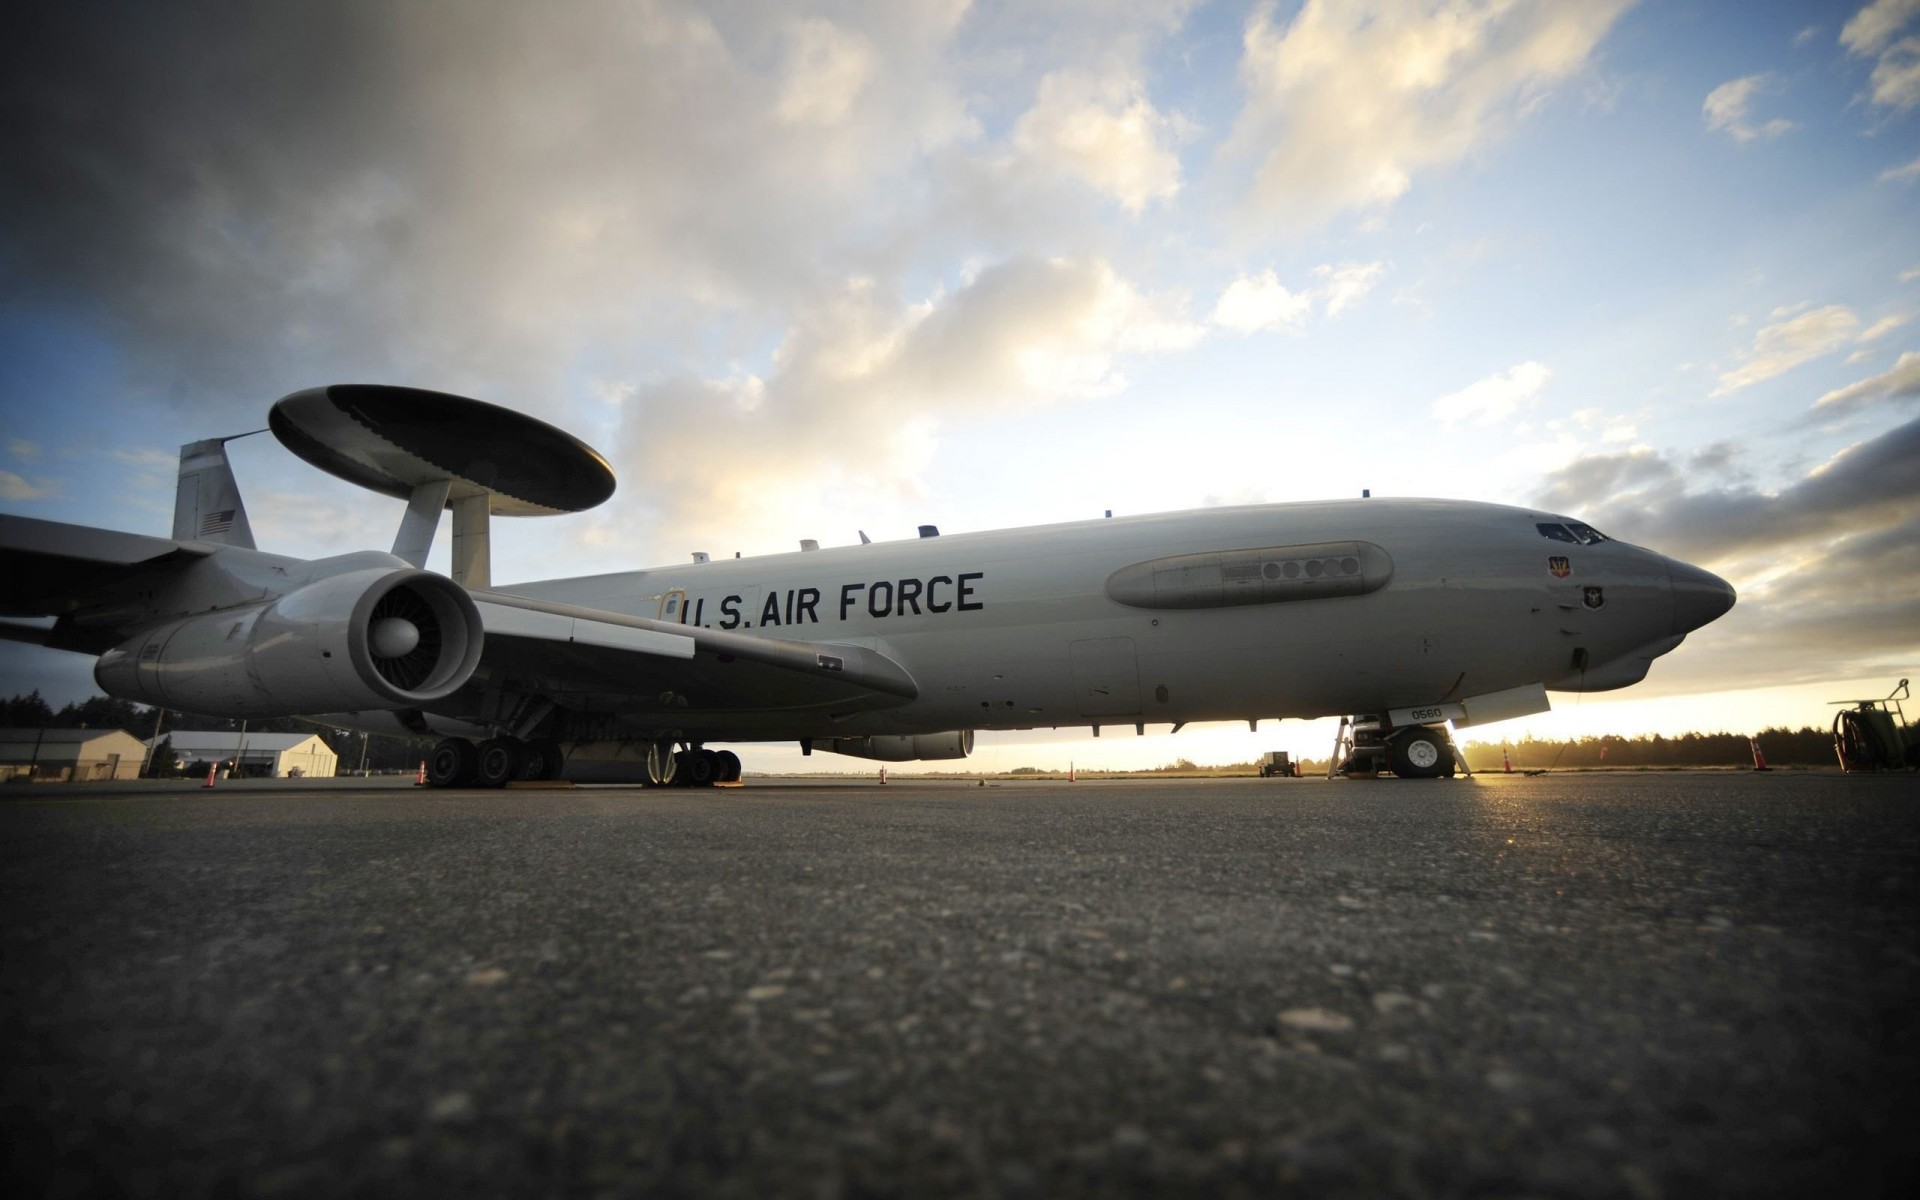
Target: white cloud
x,y
1347,283
473,196
1494,398
1349,100
1883,327
13,487
23,449
1780,347
1726,110
1872,29
1101,128
1902,382
1873,32
1910,171
858,388
1255,302
827,70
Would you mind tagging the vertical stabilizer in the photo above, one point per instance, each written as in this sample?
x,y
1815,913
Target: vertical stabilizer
x,y
206,503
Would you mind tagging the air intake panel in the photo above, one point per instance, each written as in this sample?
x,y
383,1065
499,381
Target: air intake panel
x,y
371,639
1266,575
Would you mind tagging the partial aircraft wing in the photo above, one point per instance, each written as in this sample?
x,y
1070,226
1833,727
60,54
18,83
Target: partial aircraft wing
x,y
596,660
59,570
52,565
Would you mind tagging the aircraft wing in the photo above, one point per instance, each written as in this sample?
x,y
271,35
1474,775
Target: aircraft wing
x,y
638,667
51,566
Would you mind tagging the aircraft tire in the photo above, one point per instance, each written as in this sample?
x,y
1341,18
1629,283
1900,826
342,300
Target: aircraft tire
x,y
498,762
700,768
452,763
543,758
729,767
1419,753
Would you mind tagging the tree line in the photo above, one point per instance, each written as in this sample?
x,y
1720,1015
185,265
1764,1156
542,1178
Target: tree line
x,y
1803,747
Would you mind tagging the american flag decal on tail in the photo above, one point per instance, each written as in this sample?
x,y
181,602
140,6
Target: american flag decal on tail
x,y
216,522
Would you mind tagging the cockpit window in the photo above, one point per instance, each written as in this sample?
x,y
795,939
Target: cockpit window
x,y
1576,532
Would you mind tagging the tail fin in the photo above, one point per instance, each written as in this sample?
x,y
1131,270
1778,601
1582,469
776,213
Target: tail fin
x,y
206,504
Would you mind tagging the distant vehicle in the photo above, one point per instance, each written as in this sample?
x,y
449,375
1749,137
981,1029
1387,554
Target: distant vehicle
x,y
1871,736
1277,762
1417,614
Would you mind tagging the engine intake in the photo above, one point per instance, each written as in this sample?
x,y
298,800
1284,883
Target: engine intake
x,y
369,639
921,747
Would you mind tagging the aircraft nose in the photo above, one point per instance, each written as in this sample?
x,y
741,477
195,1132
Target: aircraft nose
x,y
1698,596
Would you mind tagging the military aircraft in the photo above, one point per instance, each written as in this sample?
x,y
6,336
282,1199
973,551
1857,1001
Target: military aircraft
x,y
1412,617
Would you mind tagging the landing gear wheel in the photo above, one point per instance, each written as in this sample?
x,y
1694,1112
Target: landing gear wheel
x,y
452,763
1419,753
499,762
729,764
662,765
700,769
542,758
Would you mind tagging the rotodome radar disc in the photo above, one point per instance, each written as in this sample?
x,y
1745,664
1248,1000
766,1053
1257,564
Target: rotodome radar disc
x,y
392,439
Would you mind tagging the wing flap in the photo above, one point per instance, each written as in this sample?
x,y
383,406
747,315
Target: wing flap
x,y
639,667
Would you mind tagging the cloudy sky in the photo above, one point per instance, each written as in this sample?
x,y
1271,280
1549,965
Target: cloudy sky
x,y
801,270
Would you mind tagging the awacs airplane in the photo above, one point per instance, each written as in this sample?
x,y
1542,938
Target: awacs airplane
x,y
1412,616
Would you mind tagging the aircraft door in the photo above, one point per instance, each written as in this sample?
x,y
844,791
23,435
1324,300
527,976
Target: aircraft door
x,y
1106,677
673,606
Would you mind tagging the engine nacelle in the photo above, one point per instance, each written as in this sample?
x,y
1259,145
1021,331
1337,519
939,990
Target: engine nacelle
x,y
373,639
920,747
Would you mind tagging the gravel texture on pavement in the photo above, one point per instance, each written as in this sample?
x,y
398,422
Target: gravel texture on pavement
x,y
1633,984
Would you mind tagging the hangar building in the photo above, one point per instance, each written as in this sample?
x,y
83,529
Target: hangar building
x,y
70,754
273,755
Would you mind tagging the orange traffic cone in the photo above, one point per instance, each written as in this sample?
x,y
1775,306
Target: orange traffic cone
x,y
1071,778
211,768
1759,759
883,777
1506,763
420,780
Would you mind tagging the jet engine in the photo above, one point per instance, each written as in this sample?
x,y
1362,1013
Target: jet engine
x,y
371,639
918,747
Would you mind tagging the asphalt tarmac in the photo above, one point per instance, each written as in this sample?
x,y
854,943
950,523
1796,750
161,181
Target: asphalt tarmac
x,y
1636,984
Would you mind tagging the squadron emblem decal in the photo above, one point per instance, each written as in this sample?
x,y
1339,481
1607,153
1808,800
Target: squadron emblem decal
x,y
1560,566
1595,598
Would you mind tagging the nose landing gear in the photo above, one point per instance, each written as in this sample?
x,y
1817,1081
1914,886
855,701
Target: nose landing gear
x,y
1366,747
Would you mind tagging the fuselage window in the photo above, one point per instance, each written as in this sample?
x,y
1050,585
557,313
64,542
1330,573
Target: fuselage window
x,y
1556,533
1588,535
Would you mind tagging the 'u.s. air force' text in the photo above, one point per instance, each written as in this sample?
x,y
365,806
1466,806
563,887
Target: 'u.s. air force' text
x,y
881,598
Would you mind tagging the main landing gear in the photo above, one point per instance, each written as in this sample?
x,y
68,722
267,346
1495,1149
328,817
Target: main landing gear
x,y
496,762
695,766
